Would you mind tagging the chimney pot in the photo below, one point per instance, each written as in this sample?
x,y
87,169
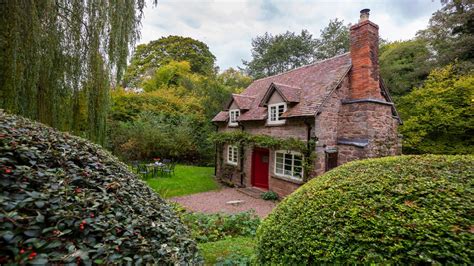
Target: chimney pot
x,y
364,15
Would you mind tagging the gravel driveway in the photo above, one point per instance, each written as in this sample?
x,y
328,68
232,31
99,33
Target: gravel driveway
x,y
216,201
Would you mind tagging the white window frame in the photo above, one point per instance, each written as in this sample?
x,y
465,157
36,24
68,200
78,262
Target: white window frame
x,y
282,173
233,115
232,154
277,120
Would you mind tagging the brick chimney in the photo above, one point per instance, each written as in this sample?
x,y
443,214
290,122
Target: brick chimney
x,y
364,48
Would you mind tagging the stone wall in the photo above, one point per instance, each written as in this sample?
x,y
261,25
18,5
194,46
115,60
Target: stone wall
x,y
327,125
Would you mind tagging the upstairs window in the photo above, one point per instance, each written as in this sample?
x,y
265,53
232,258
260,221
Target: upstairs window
x,y
274,113
233,115
289,164
232,153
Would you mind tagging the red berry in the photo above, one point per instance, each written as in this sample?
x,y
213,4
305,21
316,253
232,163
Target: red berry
x,y
92,215
22,251
8,171
84,221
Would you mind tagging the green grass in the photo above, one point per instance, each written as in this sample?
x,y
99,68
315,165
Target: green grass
x,y
219,250
186,180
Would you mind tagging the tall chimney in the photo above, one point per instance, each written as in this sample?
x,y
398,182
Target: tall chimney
x,y
364,41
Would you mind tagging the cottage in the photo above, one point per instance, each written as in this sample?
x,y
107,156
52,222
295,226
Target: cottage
x,y
340,104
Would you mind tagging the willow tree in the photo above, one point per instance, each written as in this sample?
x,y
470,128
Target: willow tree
x,y
59,57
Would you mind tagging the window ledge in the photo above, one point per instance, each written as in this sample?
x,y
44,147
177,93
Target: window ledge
x,y
231,163
233,125
275,124
288,179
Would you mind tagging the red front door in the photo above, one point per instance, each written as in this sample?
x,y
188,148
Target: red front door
x,y
260,158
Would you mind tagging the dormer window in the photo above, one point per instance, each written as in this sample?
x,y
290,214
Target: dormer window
x,y
274,113
233,115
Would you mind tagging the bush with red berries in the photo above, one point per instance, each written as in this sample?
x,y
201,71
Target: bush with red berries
x,y
66,200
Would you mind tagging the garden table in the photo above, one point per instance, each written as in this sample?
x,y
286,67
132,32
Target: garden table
x,y
155,167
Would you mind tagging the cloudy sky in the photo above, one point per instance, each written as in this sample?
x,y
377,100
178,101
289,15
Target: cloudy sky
x,y
228,26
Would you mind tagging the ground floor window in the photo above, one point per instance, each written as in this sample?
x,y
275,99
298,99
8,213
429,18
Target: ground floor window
x,y
289,164
232,153
331,160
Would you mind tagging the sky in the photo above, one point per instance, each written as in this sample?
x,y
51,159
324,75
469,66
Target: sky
x,y
228,26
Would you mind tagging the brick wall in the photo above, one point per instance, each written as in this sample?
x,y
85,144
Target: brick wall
x,y
365,73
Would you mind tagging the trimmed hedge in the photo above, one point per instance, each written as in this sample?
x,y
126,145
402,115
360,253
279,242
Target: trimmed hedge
x,y
395,210
65,200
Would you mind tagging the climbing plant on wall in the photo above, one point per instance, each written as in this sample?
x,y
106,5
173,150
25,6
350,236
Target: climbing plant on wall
x,y
244,139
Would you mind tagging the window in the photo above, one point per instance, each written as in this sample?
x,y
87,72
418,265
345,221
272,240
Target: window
x,y
274,113
331,160
232,153
233,115
289,164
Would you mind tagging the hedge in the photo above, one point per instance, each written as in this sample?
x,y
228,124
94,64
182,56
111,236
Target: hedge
x,y
393,210
64,200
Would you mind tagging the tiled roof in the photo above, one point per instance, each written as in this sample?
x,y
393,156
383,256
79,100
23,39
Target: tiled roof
x,y
222,116
288,93
315,82
244,102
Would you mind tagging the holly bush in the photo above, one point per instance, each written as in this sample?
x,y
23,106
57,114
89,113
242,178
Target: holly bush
x,y
65,200
393,210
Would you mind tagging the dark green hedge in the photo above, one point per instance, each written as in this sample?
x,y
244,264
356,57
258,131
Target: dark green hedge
x,y
396,210
65,200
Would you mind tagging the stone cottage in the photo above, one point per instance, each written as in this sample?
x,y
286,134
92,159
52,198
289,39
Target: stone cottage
x,y
341,104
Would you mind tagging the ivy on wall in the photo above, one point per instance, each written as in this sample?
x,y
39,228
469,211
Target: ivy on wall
x,y
244,139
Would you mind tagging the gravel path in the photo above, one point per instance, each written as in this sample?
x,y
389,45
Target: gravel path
x,y
215,201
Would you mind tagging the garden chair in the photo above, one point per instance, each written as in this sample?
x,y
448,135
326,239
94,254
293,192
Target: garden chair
x,y
165,161
143,170
168,169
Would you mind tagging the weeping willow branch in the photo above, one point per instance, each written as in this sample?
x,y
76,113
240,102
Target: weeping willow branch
x,y
59,57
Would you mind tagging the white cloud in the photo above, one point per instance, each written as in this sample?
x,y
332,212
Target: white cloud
x,y
228,27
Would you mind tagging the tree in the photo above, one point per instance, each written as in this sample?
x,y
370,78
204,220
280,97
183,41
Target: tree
x,y
149,57
275,54
404,65
438,117
451,33
56,54
235,80
334,40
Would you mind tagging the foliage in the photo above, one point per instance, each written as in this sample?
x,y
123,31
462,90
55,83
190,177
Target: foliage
x,y
244,138
186,180
149,57
404,65
218,226
230,251
438,117
276,54
235,80
451,34
64,200
334,40
392,210
177,104
158,135
269,195
58,58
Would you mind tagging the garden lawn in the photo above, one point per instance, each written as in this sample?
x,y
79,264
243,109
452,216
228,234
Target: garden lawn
x,y
240,248
186,180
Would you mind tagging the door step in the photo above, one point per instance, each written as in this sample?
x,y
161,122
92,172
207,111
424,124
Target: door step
x,y
253,192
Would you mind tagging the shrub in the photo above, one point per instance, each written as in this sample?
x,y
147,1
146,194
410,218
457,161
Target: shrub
x,y
217,226
269,195
64,200
393,210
